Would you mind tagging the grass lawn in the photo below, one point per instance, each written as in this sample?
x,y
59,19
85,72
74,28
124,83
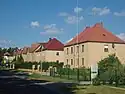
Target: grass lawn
x,y
99,90
48,78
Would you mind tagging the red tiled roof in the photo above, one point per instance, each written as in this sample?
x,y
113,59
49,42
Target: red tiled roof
x,y
54,44
95,33
19,51
34,47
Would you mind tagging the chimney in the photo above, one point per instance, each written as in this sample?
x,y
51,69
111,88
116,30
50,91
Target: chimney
x,y
50,39
99,24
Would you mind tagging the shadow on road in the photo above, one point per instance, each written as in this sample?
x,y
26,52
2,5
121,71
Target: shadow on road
x,y
13,82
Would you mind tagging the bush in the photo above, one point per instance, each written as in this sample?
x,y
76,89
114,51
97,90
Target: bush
x,y
96,81
26,65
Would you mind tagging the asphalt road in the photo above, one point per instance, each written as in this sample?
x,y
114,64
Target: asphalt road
x,y
12,82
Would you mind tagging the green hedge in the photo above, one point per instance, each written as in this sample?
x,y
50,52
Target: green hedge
x,y
26,65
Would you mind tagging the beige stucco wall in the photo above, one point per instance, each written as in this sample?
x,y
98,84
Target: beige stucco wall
x,y
75,55
93,52
50,56
29,57
47,55
24,57
96,52
11,58
38,56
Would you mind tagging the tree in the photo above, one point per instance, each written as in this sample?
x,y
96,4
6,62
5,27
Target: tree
x,y
110,69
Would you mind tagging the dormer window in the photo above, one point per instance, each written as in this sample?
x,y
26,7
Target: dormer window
x,y
104,35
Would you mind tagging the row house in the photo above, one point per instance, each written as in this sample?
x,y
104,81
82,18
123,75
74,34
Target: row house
x,y
92,45
51,51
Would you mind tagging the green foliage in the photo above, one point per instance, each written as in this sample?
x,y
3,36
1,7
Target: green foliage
x,y
45,65
25,65
111,70
96,81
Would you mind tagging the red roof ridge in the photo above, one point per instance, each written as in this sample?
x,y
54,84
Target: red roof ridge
x,y
96,33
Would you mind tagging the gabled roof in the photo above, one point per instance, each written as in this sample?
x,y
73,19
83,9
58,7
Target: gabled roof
x,y
7,54
34,47
95,33
19,51
52,44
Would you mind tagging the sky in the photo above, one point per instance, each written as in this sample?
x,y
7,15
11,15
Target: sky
x,y
23,22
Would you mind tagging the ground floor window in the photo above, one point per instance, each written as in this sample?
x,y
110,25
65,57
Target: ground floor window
x,y
71,61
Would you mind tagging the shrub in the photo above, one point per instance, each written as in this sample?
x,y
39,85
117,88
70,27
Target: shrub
x,y
96,81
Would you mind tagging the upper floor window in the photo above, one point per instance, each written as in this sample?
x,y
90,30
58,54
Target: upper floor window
x,y
67,51
57,53
71,61
106,48
77,48
71,50
82,48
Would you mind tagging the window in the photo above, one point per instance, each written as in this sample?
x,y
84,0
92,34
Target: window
x,y
67,51
67,61
71,61
57,53
82,61
106,48
82,48
77,49
113,45
57,61
71,50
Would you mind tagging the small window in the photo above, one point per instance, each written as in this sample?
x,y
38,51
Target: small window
x,y
67,51
82,48
77,49
106,48
71,61
82,61
57,53
71,50
67,61
57,61
113,45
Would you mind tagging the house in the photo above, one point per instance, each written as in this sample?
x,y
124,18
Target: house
x,y
51,51
92,45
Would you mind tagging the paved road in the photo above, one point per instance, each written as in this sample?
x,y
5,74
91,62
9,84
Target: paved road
x,y
12,83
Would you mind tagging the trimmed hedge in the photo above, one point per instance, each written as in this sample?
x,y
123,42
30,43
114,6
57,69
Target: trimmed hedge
x,y
26,65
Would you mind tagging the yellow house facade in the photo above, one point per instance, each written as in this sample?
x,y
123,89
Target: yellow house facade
x,y
92,45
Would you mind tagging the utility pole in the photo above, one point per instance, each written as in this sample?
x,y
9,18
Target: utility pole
x,y
77,43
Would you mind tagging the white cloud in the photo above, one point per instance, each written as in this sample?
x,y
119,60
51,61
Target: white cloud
x,y
73,19
119,13
77,9
51,30
121,36
6,43
100,11
63,14
35,24
70,18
